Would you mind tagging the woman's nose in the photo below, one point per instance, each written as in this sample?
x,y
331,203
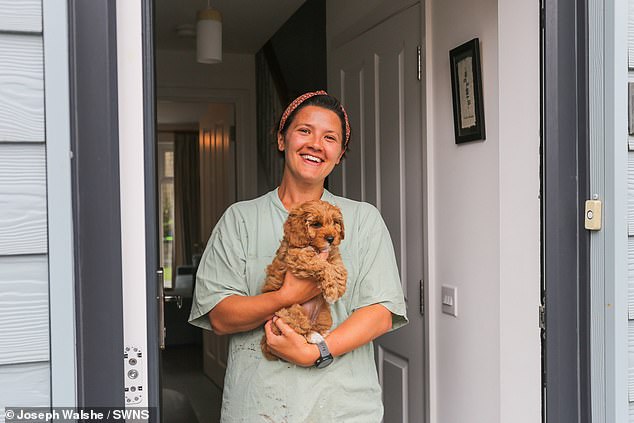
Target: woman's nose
x,y
316,142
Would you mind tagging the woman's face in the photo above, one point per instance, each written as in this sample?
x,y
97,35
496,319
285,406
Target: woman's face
x,y
312,145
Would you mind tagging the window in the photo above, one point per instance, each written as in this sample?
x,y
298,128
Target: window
x,y
166,206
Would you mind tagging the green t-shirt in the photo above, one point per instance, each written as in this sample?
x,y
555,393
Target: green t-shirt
x,y
241,245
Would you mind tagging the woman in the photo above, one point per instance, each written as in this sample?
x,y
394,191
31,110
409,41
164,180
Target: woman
x,y
313,134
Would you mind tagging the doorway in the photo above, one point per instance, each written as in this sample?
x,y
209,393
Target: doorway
x,y
196,181
402,367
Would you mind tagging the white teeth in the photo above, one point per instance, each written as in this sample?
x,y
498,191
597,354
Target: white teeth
x,y
312,158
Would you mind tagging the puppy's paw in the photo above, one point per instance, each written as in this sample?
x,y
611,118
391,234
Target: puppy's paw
x,y
314,338
331,294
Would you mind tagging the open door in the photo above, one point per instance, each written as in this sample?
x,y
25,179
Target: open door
x,y
375,74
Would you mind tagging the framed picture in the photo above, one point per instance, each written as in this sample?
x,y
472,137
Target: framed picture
x,y
466,90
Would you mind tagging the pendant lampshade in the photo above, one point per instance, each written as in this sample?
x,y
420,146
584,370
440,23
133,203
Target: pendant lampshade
x,y
208,36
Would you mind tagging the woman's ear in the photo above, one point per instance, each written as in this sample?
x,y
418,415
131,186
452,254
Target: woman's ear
x,y
280,141
341,155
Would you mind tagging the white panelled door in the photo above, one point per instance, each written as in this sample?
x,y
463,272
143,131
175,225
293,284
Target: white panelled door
x,y
376,77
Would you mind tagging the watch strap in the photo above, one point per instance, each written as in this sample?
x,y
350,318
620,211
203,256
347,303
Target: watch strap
x,y
323,349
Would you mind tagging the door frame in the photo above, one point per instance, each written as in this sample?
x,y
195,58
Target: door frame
x,y
565,185
152,252
96,202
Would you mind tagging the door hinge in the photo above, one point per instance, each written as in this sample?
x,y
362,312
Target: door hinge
x,y
422,297
419,62
542,317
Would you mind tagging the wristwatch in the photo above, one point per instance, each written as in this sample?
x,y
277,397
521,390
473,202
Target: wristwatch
x,y
325,358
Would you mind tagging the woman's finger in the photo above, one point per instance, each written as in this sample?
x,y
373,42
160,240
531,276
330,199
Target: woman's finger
x,y
268,331
285,328
282,326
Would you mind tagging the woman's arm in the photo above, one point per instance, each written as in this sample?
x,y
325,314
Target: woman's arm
x,y
238,313
364,325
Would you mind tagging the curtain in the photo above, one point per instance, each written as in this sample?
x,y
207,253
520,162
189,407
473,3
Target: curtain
x,y
186,198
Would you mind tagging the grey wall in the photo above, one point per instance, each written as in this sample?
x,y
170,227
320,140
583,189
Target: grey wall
x,y
300,48
24,318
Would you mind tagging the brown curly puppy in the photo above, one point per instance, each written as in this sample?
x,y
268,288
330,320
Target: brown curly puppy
x,y
311,228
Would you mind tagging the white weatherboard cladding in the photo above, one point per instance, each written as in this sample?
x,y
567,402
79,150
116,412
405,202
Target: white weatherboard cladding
x,y
24,385
21,15
21,88
24,309
630,225
630,278
22,199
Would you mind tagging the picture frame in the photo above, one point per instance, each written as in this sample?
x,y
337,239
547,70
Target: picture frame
x,y
466,90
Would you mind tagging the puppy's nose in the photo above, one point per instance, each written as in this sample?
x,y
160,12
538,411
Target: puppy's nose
x,y
330,238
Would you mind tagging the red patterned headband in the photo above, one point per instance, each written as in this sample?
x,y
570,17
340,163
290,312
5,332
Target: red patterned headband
x,y
299,100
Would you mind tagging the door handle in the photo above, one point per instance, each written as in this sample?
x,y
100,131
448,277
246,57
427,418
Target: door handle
x,y
172,298
161,308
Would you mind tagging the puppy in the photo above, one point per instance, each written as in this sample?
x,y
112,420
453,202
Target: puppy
x,y
312,228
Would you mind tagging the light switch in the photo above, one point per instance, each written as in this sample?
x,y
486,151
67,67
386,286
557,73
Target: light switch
x,y
449,300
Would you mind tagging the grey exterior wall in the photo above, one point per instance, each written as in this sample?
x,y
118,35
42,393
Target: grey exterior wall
x,y
24,307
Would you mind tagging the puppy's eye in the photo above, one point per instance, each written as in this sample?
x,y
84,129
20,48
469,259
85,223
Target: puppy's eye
x,y
316,224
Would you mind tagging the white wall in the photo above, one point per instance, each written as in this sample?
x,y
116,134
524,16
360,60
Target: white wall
x,y
464,233
484,226
180,78
484,216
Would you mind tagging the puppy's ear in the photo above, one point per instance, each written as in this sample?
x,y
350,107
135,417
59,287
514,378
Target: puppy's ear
x,y
295,229
339,221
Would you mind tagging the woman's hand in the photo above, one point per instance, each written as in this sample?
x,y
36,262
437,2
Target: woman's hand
x,y
295,290
289,345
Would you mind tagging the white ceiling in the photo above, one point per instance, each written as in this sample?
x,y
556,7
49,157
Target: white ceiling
x,y
246,25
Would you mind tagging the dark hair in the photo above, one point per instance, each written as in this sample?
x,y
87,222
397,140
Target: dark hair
x,y
327,102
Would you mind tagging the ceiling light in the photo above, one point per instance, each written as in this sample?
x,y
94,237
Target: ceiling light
x,y
185,31
208,36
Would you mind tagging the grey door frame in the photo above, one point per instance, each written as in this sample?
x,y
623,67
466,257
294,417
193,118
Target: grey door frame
x,y
97,208
96,203
151,207
565,187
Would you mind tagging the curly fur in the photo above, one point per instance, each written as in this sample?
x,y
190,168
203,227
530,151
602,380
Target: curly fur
x,y
311,228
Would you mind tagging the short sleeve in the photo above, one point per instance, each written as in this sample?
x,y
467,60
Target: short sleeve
x,y
378,281
222,268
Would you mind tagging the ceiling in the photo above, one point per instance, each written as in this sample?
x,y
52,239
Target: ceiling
x,y
246,24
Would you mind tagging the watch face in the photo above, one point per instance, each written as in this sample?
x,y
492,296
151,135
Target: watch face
x,y
323,361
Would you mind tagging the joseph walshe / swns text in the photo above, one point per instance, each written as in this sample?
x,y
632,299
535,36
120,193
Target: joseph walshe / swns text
x,y
87,414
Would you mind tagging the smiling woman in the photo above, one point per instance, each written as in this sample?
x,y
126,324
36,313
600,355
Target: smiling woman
x,y
313,134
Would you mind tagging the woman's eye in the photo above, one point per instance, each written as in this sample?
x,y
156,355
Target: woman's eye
x,y
316,224
304,130
332,139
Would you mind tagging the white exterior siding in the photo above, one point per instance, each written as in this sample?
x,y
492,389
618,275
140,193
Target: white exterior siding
x,y
24,317
21,87
630,227
23,199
